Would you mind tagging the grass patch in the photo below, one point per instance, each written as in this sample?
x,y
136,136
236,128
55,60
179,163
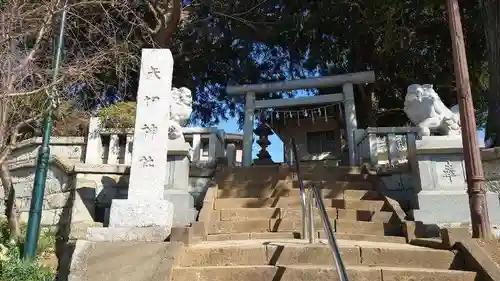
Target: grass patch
x,y
12,265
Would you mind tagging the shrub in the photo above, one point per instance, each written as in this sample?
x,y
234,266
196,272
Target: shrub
x,y
14,268
46,240
120,115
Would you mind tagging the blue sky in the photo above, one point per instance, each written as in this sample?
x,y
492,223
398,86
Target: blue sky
x,y
276,147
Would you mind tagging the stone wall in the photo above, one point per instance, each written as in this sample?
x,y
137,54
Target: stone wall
x,y
111,181
59,186
69,148
65,201
80,193
76,192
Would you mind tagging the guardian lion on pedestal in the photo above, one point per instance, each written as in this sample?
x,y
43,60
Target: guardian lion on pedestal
x,y
427,111
180,111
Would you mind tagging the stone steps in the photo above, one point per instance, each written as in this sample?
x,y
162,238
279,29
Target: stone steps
x,y
354,193
317,273
284,202
316,172
289,225
240,214
254,233
296,260
296,235
291,188
300,252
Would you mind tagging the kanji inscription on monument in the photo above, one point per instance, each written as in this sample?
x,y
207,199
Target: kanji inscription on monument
x,y
150,99
150,129
153,72
449,171
449,174
147,161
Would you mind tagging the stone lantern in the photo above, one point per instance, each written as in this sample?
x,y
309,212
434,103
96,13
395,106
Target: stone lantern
x,y
263,131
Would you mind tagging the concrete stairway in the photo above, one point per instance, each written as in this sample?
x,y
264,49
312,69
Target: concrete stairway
x,y
255,223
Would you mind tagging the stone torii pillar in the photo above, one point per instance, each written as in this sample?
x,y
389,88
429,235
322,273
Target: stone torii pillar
x,y
351,122
248,129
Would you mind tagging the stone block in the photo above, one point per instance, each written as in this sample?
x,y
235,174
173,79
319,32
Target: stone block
x,y
183,217
110,234
433,144
182,234
440,163
442,172
178,172
141,213
453,235
450,207
179,198
49,217
80,256
184,211
25,189
57,200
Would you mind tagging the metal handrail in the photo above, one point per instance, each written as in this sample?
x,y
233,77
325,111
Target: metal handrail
x,y
294,158
327,225
307,204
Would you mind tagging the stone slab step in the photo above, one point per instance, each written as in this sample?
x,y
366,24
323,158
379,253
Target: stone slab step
x,y
296,235
283,202
316,172
364,237
287,225
291,188
317,273
300,252
239,214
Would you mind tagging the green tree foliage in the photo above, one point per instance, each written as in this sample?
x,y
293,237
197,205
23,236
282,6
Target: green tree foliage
x,y
490,14
238,42
404,42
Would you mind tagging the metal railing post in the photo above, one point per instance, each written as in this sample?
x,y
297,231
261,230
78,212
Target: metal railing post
x,y
310,217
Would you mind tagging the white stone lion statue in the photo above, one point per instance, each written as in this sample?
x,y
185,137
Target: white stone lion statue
x,y
180,111
427,111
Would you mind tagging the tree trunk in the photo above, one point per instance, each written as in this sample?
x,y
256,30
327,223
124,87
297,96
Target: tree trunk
x,y
10,201
490,10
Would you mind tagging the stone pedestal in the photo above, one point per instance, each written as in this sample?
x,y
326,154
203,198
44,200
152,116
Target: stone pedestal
x,y
145,215
177,183
441,183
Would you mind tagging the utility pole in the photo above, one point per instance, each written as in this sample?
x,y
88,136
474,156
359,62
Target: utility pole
x,y
476,187
42,165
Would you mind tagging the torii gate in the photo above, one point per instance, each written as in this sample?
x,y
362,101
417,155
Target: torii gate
x,y
347,97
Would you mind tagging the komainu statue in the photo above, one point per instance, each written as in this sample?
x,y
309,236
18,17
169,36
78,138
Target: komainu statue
x,y
180,111
427,111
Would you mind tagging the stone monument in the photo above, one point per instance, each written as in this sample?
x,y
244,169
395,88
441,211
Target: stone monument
x,y
145,215
177,181
440,175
